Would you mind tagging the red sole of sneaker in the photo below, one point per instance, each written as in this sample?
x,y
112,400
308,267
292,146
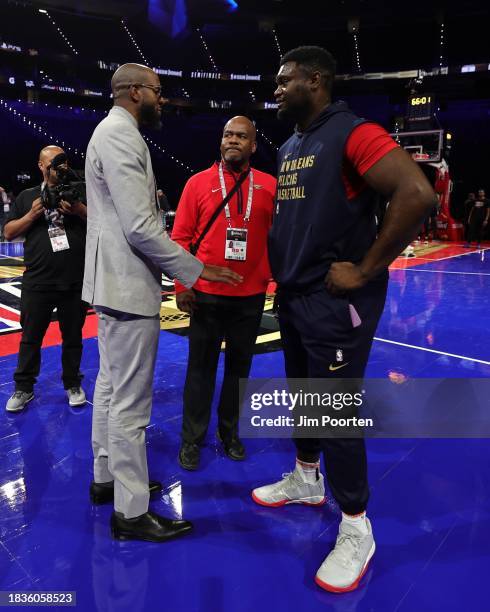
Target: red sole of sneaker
x,y
284,503
351,587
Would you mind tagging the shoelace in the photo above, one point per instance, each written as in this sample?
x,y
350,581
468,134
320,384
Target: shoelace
x,y
19,394
283,484
340,553
289,476
289,479
76,390
286,478
293,476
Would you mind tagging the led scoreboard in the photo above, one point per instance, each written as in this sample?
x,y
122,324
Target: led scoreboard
x,y
420,107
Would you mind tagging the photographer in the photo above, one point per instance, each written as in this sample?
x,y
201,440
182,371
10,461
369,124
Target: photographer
x,y
54,250
5,204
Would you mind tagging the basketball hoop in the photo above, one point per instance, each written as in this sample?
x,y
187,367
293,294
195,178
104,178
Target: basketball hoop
x,y
423,146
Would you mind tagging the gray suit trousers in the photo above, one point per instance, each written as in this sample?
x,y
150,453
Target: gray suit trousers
x,y
122,406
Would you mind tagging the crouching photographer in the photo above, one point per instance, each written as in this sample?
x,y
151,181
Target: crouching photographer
x,y
52,218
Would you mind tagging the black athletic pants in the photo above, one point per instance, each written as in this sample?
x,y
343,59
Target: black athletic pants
x,y
475,229
36,308
319,341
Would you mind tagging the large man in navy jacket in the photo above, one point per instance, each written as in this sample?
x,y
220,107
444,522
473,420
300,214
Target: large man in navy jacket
x,y
331,271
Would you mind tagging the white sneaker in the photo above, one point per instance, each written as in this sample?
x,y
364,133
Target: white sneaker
x,y
344,567
17,402
76,396
291,490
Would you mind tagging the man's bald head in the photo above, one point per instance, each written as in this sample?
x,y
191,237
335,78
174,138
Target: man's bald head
x,y
46,156
244,121
238,142
129,74
50,152
137,89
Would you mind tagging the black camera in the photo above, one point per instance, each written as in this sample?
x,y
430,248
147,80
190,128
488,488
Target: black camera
x,y
70,187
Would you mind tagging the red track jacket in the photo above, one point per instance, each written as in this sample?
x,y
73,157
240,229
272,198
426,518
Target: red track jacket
x,y
200,198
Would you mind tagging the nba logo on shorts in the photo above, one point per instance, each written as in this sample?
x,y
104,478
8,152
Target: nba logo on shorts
x,y
339,355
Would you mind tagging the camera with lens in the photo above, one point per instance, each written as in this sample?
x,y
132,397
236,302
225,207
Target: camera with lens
x,y
70,186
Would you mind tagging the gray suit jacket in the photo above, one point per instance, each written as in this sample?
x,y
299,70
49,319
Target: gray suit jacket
x,y
127,249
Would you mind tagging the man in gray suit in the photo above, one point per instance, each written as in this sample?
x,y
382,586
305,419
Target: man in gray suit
x,y
127,250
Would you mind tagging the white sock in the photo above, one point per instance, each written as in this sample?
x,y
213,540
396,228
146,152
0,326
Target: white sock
x,y
356,520
310,472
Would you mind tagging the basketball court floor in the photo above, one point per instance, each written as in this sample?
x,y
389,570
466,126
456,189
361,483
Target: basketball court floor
x,y
430,498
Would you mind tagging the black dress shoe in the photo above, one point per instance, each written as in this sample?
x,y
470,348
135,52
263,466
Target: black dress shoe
x,y
150,527
189,456
101,494
232,446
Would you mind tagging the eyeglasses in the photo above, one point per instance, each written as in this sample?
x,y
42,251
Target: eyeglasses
x,y
154,88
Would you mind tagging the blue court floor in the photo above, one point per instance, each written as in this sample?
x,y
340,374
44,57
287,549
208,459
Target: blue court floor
x,y
430,499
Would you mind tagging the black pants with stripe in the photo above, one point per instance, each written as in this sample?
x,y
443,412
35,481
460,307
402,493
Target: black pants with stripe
x,y
320,341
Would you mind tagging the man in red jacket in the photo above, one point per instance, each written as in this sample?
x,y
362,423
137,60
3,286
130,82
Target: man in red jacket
x,y
237,239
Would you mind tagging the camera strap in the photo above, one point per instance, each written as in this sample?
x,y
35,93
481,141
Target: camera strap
x,y
194,247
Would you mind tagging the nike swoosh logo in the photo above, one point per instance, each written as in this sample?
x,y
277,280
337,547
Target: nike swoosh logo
x,y
332,368
217,189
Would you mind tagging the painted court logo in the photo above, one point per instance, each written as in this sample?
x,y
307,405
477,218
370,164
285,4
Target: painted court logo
x,y
9,319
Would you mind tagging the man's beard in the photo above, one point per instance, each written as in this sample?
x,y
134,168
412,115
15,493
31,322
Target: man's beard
x,y
149,117
290,113
233,162
295,111
284,114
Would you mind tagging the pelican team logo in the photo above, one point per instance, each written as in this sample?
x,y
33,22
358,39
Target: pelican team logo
x,y
339,355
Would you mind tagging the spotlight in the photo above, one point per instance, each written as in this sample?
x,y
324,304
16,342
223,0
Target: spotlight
x,y
353,25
